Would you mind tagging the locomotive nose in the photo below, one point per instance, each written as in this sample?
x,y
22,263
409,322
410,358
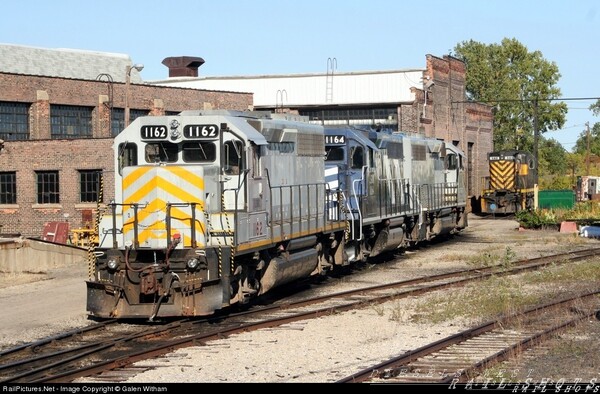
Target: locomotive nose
x,y
174,210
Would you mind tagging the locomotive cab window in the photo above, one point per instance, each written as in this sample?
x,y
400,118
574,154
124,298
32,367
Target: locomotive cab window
x,y
334,154
161,152
452,162
233,157
127,156
199,152
358,157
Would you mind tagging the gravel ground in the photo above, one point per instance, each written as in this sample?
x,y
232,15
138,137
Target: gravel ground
x,y
319,350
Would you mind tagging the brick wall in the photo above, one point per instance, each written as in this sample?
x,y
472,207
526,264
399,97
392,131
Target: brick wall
x,y
68,157
451,118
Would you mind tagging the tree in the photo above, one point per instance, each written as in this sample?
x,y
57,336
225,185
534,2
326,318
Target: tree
x,y
582,142
554,157
554,165
595,108
520,84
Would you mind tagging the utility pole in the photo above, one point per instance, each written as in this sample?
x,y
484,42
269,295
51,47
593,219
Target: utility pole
x,y
536,139
587,152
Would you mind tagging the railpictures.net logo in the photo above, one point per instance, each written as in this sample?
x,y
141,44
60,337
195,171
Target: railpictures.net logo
x,y
532,386
87,389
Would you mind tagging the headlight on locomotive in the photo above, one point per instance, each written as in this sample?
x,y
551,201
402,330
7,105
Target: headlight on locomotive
x,y
192,264
113,264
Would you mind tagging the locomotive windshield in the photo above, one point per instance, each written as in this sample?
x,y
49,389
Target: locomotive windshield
x,y
161,152
334,153
199,152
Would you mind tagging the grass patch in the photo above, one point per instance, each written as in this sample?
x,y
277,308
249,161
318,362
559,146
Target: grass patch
x,y
454,257
580,272
490,258
484,300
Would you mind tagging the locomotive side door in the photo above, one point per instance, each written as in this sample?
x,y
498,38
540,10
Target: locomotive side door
x,y
233,172
356,180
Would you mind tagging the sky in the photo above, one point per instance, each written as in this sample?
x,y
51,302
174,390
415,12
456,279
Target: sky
x,y
243,37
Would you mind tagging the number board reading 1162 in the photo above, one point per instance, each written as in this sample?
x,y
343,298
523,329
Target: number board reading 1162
x,y
335,140
191,132
154,132
201,131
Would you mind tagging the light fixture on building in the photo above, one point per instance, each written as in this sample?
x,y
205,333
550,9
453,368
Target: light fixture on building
x,y
138,67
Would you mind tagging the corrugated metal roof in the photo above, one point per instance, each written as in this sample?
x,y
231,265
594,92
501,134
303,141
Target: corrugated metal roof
x,y
366,87
65,63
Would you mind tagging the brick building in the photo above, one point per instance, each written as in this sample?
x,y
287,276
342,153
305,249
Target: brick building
x,y
59,110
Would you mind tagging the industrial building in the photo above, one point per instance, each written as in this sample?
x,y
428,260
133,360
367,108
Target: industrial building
x,y
61,108
430,101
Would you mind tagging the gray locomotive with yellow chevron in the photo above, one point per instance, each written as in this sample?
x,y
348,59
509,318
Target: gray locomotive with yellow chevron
x,y
213,208
511,185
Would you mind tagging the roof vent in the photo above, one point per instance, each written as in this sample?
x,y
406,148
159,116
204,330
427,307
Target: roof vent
x,y
183,66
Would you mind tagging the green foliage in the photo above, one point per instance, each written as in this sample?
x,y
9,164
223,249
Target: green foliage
x,y
552,157
595,108
536,219
581,143
555,182
583,212
520,83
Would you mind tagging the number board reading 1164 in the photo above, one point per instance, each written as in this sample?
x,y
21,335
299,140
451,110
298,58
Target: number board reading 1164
x,y
335,140
190,132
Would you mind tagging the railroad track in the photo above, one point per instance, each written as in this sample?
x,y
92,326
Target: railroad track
x,y
461,357
109,346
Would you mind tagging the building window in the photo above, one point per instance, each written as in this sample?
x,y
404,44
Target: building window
x,y
118,119
89,185
14,121
366,117
69,121
47,187
8,187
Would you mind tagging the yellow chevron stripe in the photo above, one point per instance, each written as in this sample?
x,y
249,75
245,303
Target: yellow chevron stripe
x,y
146,189
182,194
168,187
189,176
132,177
502,174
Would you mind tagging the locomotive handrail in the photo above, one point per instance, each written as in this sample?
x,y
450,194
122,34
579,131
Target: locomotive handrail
x,y
320,217
135,207
401,191
193,221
